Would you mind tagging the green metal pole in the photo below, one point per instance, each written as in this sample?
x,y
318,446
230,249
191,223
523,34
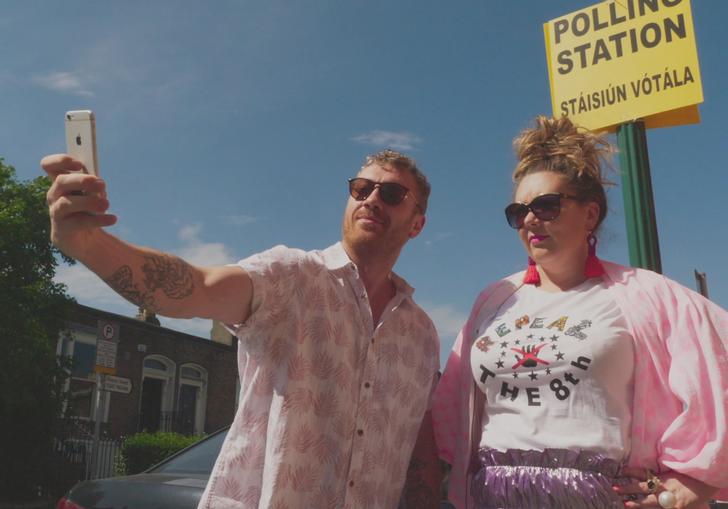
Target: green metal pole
x,y
639,205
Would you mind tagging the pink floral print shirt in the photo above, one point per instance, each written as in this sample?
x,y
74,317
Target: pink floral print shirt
x,y
330,403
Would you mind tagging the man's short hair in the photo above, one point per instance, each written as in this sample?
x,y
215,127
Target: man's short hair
x,y
402,162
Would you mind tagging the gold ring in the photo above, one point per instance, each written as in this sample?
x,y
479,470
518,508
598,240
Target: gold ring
x,y
653,482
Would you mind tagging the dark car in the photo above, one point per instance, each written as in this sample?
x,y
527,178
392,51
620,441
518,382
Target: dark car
x,y
177,482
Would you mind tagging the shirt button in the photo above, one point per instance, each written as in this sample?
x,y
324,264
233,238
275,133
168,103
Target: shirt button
x,y
367,384
360,432
351,483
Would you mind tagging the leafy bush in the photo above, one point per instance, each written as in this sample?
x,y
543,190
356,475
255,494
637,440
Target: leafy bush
x,y
32,312
143,450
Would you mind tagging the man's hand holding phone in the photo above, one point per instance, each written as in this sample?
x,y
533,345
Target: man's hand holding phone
x,y
77,199
77,205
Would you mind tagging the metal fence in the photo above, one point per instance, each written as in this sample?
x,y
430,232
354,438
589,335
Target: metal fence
x,y
166,421
75,445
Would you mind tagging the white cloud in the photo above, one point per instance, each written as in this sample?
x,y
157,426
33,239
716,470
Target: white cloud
x,y
202,253
196,326
67,82
448,322
447,319
438,237
190,233
389,139
87,287
214,253
239,220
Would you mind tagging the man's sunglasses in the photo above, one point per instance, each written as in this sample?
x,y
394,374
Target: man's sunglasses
x,y
391,193
546,207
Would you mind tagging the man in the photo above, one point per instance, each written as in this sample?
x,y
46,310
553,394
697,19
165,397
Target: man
x,y
337,362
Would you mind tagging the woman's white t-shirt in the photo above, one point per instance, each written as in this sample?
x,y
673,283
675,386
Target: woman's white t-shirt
x,y
557,372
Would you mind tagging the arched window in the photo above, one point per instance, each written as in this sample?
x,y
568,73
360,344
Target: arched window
x,y
192,399
191,373
155,364
157,401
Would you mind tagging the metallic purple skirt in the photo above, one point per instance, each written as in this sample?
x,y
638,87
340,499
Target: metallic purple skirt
x,y
549,479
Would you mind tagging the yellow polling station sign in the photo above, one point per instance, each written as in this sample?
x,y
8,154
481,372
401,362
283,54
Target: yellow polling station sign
x,y
622,60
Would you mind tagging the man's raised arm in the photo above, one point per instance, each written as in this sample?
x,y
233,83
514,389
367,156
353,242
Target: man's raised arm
x,y
159,282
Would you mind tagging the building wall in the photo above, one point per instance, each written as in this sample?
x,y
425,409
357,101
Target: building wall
x,y
138,340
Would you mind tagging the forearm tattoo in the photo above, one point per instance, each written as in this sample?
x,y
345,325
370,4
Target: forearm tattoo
x,y
171,275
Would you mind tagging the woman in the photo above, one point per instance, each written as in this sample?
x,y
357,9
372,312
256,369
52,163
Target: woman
x,y
582,383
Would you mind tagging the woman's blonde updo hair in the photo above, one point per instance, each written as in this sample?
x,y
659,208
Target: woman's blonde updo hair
x,y
557,145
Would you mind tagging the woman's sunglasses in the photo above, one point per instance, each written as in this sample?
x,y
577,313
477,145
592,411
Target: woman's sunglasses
x,y
546,207
391,193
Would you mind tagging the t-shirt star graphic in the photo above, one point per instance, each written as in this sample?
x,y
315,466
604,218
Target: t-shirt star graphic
x,y
555,368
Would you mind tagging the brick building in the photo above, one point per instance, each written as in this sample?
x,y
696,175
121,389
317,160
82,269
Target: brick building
x,y
162,379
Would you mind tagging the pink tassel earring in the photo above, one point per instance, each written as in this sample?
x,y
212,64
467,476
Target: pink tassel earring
x,y
593,267
531,277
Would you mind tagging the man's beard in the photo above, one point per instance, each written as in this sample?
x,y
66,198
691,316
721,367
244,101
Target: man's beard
x,y
370,245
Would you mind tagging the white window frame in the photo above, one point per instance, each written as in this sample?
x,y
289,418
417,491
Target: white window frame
x,y
168,379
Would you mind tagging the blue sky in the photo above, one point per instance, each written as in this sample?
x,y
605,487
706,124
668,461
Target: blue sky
x,y
227,127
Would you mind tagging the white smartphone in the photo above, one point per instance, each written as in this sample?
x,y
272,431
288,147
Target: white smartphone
x,y
81,139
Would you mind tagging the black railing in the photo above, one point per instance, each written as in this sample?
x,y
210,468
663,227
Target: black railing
x,y
166,421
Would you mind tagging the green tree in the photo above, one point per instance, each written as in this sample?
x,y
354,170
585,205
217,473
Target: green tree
x,y
32,311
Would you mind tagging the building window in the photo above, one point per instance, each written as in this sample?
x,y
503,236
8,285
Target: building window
x,y
155,364
192,399
190,373
156,404
79,346
84,359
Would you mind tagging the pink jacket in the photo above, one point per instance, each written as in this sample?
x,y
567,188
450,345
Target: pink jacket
x,y
680,407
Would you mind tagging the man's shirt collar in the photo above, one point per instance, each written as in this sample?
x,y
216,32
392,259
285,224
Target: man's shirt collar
x,y
335,258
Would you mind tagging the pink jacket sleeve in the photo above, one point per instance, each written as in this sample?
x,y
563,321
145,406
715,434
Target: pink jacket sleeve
x,y
452,409
696,442
446,407
680,411
451,414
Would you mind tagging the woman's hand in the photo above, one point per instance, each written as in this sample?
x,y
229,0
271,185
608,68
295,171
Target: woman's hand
x,y
689,493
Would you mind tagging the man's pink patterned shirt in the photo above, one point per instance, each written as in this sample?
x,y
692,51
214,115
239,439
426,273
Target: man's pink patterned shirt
x,y
330,405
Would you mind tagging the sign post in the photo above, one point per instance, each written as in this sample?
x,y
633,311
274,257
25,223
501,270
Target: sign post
x,y
93,467
639,205
117,384
627,66
702,281
107,341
